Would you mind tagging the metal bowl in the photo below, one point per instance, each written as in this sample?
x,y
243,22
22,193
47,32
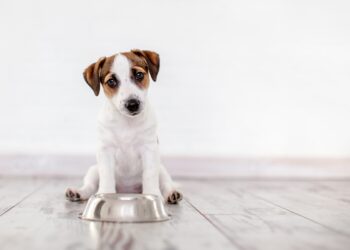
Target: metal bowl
x,y
125,208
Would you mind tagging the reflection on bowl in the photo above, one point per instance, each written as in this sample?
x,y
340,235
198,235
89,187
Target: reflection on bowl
x,y
125,208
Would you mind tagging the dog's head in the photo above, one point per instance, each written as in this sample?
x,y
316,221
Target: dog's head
x,y
124,78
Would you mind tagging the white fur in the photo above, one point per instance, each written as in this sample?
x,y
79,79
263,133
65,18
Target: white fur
x,y
128,158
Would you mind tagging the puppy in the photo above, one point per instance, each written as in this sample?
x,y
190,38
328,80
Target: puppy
x,y
128,159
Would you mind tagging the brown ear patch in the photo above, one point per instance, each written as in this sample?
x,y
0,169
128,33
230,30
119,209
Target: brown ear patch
x,y
152,59
95,73
92,75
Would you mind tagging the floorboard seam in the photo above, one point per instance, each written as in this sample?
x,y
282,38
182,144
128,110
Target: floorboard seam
x,y
215,226
307,218
21,200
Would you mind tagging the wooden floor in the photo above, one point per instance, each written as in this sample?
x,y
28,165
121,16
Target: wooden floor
x,y
216,214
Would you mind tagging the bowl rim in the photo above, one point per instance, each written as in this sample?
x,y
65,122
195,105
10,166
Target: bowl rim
x,y
115,197
125,221
126,196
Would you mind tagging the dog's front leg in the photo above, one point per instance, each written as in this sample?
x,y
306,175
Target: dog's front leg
x,y
106,165
150,176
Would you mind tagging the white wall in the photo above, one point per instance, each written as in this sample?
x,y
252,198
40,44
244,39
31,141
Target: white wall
x,y
238,78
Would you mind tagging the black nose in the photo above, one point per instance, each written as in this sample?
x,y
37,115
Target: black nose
x,y
132,105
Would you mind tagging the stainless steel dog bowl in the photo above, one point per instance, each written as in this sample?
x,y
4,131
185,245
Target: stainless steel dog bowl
x,y
125,208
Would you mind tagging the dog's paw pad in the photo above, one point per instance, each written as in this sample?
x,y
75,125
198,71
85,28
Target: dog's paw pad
x,y
72,195
174,197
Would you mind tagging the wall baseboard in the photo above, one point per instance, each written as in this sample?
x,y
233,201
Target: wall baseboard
x,y
186,167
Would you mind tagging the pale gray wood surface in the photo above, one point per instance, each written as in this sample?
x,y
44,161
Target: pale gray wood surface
x,y
326,203
254,223
216,214
47,221
14,190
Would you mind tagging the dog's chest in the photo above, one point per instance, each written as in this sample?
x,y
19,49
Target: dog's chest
x,y
128,138
129,143
127,153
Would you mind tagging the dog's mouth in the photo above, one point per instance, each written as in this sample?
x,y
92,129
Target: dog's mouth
x,y
132,113
135,113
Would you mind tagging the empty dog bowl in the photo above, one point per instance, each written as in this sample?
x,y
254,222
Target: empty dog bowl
x,y
125,208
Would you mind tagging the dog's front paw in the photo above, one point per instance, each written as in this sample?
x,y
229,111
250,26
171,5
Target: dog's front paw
x,y
73,195
174,197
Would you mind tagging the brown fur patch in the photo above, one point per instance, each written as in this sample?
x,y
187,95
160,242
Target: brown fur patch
x,y
152,59
138,64
105,75
92,75
145,81
109,91
106,67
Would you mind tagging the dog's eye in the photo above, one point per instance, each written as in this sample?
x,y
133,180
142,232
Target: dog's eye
x,y
139,76
112,83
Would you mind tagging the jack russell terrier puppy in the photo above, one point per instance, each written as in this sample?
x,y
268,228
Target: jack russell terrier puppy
x,y
128,159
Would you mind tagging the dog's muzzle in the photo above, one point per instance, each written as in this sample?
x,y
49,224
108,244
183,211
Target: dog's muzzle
x,y
133,106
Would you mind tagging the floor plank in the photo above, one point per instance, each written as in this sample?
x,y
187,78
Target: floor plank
x,y
15,190
47,221
338,190
216,214
322,202
253,223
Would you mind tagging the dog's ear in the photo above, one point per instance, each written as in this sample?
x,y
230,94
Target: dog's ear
x,y
152,59
92,75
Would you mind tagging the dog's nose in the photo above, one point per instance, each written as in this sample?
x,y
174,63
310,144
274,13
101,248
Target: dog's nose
x,y
133,105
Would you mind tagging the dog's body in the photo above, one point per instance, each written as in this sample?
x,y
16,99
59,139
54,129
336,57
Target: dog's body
x,y
128,158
